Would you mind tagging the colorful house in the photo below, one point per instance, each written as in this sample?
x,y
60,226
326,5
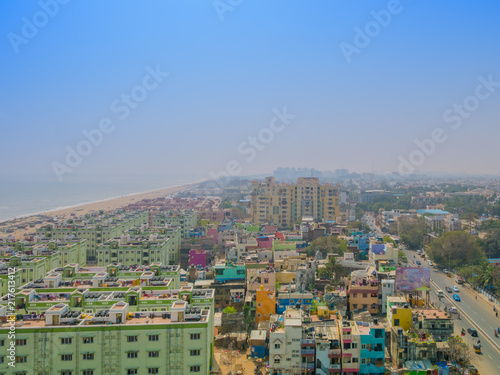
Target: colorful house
x,y
229,272
198,258
266,305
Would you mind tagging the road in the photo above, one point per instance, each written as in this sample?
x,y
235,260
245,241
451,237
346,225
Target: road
x,y
370,221
480,312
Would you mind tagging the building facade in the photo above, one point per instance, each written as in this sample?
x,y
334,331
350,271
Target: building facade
x,y
285,204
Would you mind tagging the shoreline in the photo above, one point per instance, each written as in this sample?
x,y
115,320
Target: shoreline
x,y
78,205
107,204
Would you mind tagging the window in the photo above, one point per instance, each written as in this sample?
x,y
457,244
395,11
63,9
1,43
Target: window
x,y
355,360
154,338
88,372
194,369
194,352
277,346
88,340
195,336
277,360
396,322
132,371
67,357
88,356
354,345
66,340
354,305
132,339
363,346
21,359
155,354
2,342
67,372
20,342
153,370
132,354
363,361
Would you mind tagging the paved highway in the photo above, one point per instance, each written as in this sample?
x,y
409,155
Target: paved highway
x,y
479,311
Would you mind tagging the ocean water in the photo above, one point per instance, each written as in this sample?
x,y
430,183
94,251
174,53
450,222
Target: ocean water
x,y
23,197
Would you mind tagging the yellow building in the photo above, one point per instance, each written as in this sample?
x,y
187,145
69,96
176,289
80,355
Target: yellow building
x,y
399,313
284,204
266,305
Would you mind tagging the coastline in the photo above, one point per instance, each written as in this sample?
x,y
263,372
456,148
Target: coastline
x,y
81,209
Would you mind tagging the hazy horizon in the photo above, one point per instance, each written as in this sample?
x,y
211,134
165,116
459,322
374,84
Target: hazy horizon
x,y
211,87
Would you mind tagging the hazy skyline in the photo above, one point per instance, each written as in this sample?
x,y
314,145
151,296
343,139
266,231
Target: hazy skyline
x,y
209,77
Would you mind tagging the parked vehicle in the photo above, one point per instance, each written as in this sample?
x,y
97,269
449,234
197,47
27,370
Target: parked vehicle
x,y
459,280
419,263
439,293
455,289
472,332
448,289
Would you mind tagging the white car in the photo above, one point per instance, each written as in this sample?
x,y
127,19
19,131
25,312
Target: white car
x,y
430,263
455,289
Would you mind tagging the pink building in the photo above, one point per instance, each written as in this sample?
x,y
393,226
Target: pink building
x,y
270,229
213,232
265,242
217,215
198,258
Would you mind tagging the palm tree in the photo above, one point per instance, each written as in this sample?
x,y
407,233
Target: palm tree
x,y
486,276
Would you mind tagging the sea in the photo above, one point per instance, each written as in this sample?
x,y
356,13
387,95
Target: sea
x,y
21,197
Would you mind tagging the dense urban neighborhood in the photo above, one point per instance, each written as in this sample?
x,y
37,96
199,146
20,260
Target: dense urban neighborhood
x,y
290,274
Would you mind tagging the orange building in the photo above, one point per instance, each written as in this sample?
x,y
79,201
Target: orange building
x,y
266,305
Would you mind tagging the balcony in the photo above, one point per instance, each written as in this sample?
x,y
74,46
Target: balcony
x,y
307,366
334,367
307,352
308,343
334,353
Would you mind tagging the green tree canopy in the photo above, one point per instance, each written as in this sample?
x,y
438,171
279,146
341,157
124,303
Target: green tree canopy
x,y
412,230
456,249
327,245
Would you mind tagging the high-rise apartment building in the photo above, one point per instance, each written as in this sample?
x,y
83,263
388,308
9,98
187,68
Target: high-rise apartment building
x,y
284,204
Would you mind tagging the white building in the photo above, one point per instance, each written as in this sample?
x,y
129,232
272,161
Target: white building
x,y
285,344
388,288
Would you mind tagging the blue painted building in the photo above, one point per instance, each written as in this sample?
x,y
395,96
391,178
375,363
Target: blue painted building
x,y
372,354
293,299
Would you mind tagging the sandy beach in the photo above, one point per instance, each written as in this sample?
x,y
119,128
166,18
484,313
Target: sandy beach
x,y
106,205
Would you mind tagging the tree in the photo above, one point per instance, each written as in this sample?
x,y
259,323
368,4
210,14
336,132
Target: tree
x,y
332,270
229,310
358,225
491,243
412,230
456,249
460,353
327,245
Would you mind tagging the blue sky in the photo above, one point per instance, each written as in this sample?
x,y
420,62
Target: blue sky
x,y
226,76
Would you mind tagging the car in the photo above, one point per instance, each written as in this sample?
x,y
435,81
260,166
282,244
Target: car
x,y
430,263
455,289
453,310
445,270
456,297
419,252
448,289
472,332
419,263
